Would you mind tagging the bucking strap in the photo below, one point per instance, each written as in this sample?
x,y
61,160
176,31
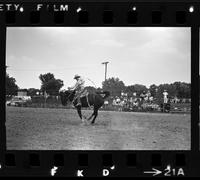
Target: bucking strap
x,y
88,100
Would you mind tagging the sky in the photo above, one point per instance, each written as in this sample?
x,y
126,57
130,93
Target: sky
x,y
136,55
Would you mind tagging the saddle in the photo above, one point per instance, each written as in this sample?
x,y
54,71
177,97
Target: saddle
x,y
85,93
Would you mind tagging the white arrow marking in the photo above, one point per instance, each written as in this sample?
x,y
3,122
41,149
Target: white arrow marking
x,y
154,172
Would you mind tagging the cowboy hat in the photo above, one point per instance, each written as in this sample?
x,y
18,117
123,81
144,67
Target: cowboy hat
x,y
76,76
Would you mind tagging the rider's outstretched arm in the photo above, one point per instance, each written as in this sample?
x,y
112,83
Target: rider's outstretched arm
x,y
74,87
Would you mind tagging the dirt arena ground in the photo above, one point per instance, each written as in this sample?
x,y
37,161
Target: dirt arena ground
x,y
61,129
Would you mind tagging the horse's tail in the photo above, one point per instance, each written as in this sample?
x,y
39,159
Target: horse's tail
x,y
107,93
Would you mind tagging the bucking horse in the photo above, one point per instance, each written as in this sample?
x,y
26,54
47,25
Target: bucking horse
x,y
93,99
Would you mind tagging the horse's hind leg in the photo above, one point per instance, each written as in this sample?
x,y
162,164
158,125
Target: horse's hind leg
x,y
90,116
95,115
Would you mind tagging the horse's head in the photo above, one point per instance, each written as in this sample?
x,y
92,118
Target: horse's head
x,y
66,96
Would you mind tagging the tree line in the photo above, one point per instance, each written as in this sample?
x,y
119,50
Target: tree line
x,y
176,89
51,86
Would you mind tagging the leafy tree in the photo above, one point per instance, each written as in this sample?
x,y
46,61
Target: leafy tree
x,y
99,89
114,85
153,90
182,89
11,86
136,88
139,88
50,84
54,86
130,90
178,89
46,77
32,92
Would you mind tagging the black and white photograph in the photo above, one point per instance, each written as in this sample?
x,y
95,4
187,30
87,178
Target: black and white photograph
x,y
98,88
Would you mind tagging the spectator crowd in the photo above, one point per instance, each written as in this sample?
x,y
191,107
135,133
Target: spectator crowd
x,y
144,101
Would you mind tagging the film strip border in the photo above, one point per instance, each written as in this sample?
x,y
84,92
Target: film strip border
x,y
90,164
46,163
100,14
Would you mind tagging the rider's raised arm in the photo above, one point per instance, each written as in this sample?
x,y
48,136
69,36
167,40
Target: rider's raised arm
x,y
81,82
75,86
